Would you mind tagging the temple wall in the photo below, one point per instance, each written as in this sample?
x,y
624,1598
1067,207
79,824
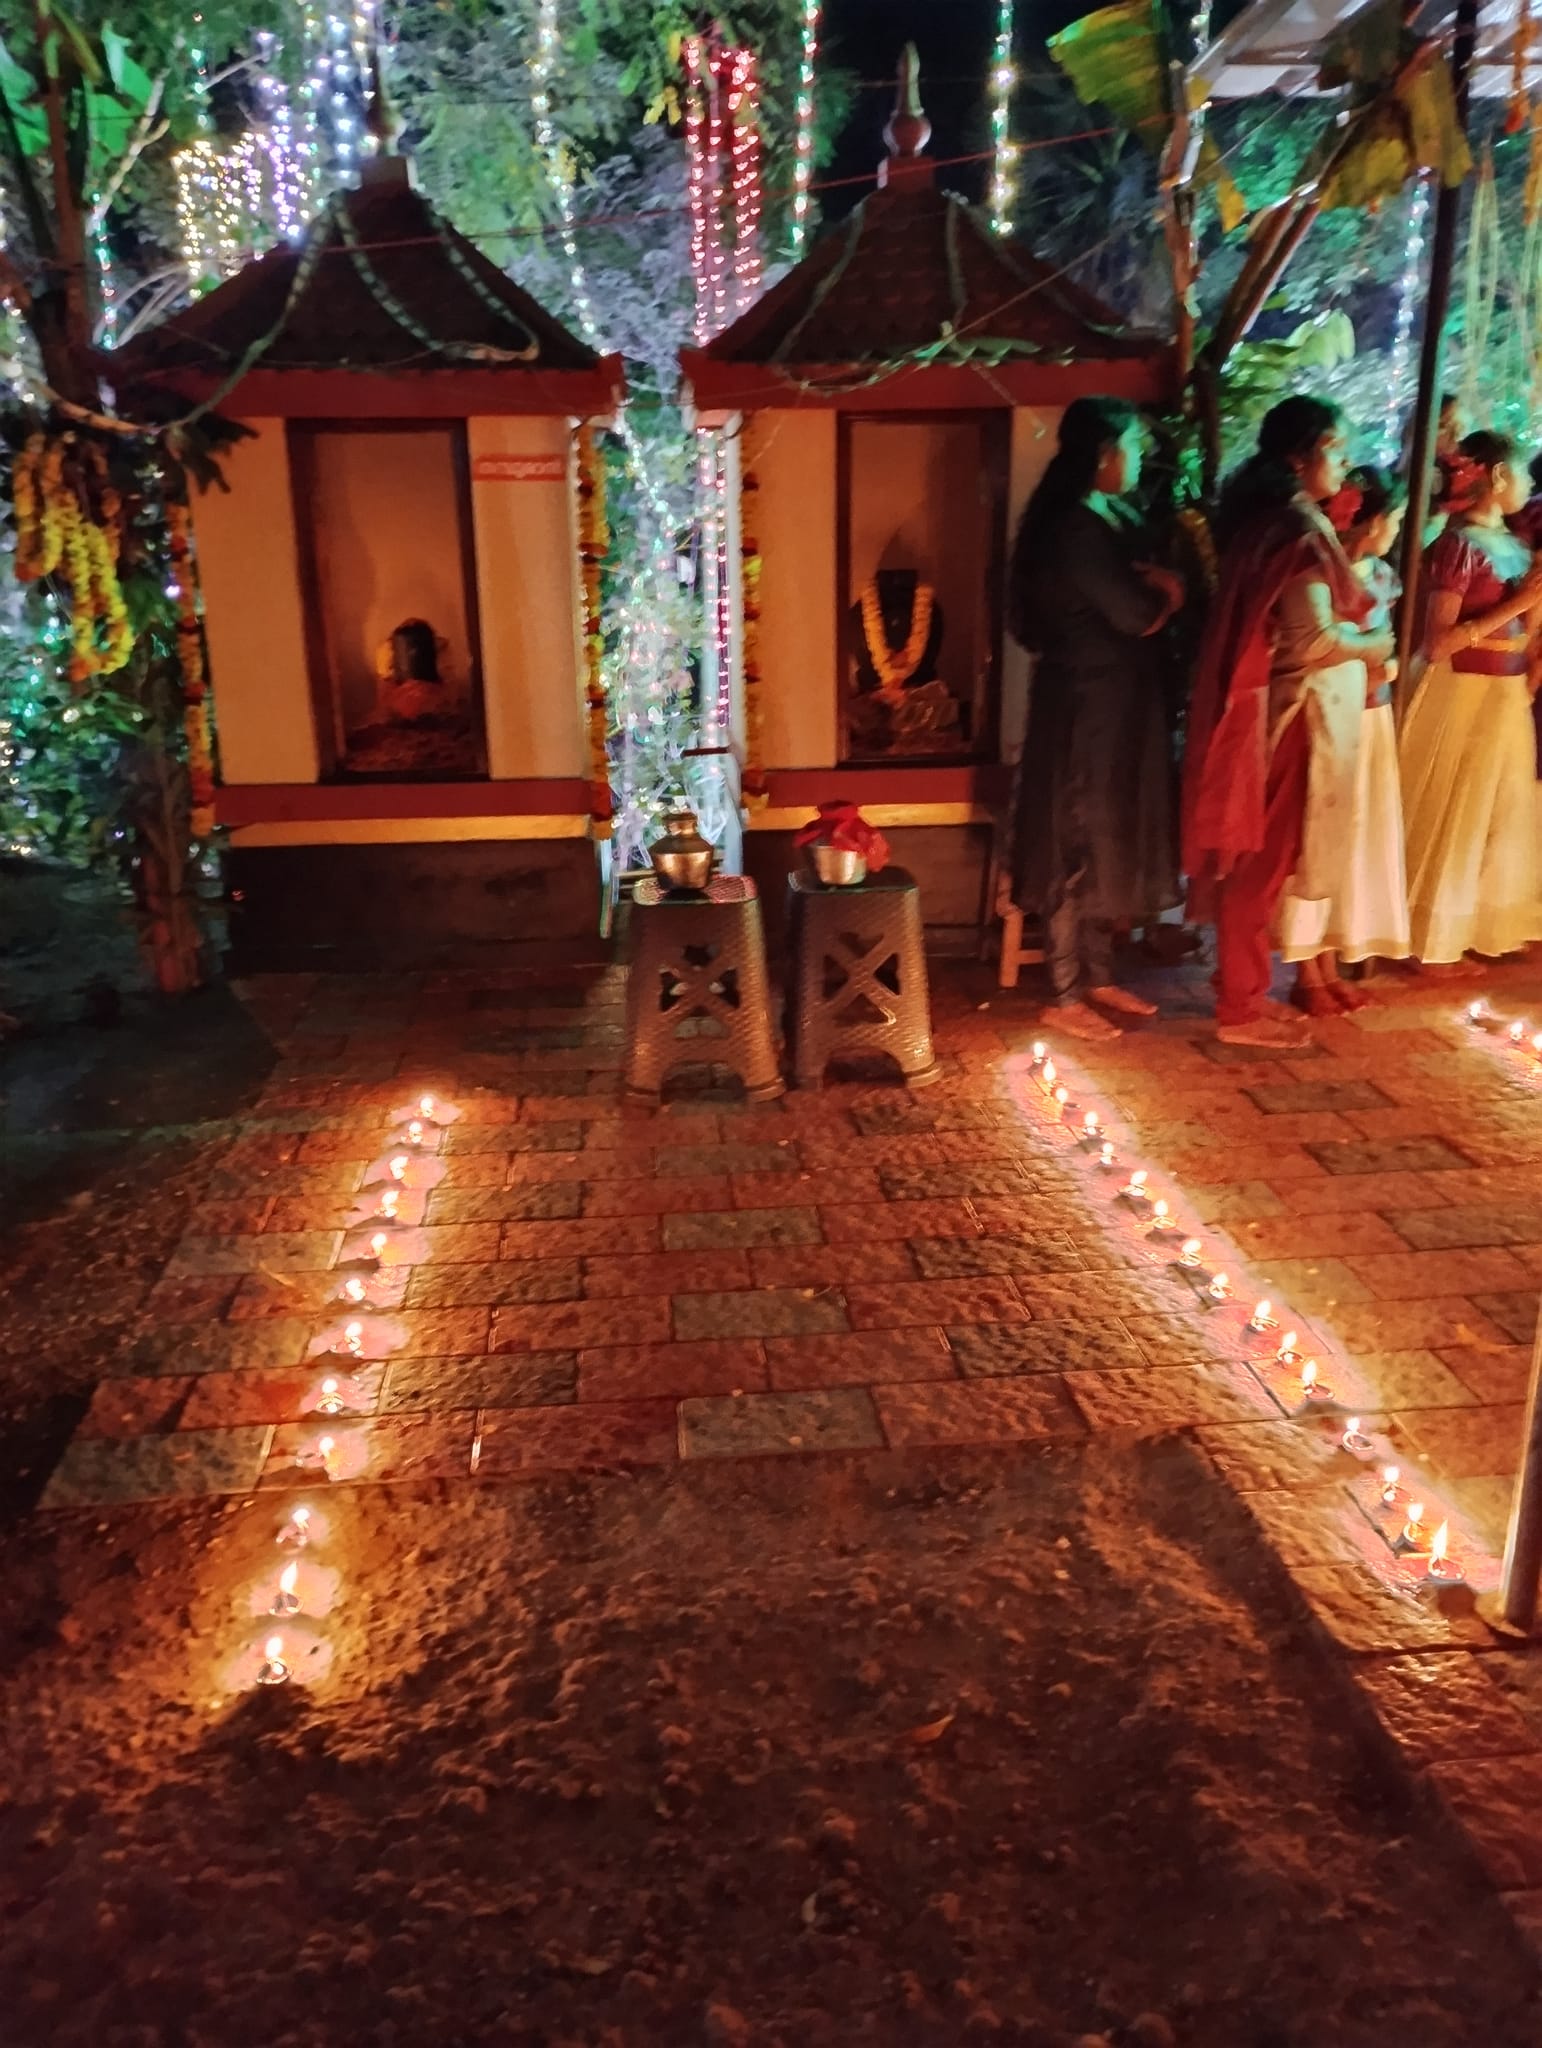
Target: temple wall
x,y
793,454
253,615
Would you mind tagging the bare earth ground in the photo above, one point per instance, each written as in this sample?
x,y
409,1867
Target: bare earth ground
x,y
973,1745
957,1736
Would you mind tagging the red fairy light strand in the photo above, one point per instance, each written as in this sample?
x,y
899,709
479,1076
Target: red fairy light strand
x,y
744,114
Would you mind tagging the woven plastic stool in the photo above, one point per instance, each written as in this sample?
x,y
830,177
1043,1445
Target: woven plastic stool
x,y
696,988
858,981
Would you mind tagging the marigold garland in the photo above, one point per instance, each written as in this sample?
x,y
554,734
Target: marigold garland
x,y
195,688
753,787
56,534
593,547
894,666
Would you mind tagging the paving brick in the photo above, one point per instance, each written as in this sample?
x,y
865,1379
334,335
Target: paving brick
x,y
289,1252
1491,1373
657,1197
1295,1098
1514,1315
995,1350
1391,1155
862,1222
1466,1443
507,1380
997,1411
1327,1195
507,1282
628,1372
1312,1286
1336,1236
803,1190
694,1272
383,1448
313,1295
458,1204
224,1400
1410,1379
934,1301
950,1258
1444,1706
179,1348
1472,1271
1107,1295
135,1407
190,1299
692,1161
611,1435
1429,1325
1260,1456
575,1325
1312,1525
763,1425
1363,1610
105,1471
1232,1201
935,1183
1171,1398
741,1227
858,1358
760,1312
831,1265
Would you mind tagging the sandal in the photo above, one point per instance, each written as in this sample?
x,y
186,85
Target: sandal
x,y
1122,1001
1076,1020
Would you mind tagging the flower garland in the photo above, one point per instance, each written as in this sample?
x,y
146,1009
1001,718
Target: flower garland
x,y
195,690
894,666
593,547
56,534
753,786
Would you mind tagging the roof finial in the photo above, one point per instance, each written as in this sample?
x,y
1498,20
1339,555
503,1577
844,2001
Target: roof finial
x,y
380,116
908,130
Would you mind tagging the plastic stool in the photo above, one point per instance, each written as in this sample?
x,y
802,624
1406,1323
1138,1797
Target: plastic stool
x,y
697,988
858,981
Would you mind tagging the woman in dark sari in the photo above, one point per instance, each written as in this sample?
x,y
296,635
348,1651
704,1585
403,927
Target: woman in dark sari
x,y
1094,836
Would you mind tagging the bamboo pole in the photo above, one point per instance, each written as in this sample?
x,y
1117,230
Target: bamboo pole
x,y
1437,306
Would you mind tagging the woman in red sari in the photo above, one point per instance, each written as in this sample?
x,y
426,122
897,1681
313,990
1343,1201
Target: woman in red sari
x,y
1274,726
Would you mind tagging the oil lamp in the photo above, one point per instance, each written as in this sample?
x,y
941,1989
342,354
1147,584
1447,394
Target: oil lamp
x,y
1189,1251
1040,1052
1090,1123
1389,1486
1135,1187
1219,1288
414,1132
329,1401
1106,1156
425,1105
1263,1317
1442,1565
296,1532
1413,1527
398,1167
1354,1437
390,1202
286,1600
353,1288
1287,1354
273,1669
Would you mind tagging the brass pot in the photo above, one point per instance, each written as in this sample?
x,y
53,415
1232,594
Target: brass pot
x,y
682,859
838,867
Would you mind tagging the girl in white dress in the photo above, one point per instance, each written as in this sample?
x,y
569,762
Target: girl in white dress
x,y
1367,917
1468,745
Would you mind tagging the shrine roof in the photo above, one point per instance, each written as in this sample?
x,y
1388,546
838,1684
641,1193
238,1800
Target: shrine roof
x,y
915,269
381,290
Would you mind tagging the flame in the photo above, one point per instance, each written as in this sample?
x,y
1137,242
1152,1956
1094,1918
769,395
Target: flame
x,y
1191,1250
1262,1313
287,1578
426,1104
1062,1096
1287,1350
1108,1154
273,1649
1090,1123
1309,1376
378,1243
301,1518
1159,1211
399,1166
415,1132
1049,1072
1439,1543
354,1289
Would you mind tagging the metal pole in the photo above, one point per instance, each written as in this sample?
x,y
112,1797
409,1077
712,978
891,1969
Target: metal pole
x,y
1514,1610
1437,304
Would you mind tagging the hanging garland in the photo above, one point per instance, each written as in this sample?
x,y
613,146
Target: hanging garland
x,y
753,782
195,682
593,547
894,666
69,523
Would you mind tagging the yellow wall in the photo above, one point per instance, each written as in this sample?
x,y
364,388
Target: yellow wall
x,y
252,615
793,454
527,575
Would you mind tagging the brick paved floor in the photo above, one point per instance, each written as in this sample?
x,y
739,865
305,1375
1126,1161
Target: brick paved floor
x,y
574,1282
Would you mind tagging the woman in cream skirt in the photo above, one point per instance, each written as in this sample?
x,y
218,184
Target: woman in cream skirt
x,y
1468,746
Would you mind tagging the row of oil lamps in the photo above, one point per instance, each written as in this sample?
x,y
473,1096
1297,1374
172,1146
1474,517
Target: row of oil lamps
x,y
299,1531
1412,1539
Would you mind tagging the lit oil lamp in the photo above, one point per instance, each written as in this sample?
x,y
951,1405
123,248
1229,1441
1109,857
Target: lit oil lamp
x,y
329,1401
1189,1252
426,1105
1313,1385
1263,1317
1090,1123
378,1243
353,1340
1442,1565
1161,1215
354,1289
1040,1052
1106,1156
1287,1354
1134,1189
273,1670
1219,1288
1412,1537
1391,1492
1478,1011
1518,1031
398,1167
1050,1071
326,1452
286,1600
1062,1096
1354,1437
390,1202
296,1532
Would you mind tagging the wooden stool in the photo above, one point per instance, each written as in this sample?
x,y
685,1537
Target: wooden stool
x,y
696,987
858,980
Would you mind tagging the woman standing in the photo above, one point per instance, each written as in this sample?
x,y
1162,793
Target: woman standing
x,y
1468,746
1368,916
1274,726
1094,837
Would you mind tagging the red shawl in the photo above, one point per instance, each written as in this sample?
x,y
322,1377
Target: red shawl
x,y
1226,761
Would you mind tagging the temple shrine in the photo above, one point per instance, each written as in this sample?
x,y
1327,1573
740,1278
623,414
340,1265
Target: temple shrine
x,y
392,587
887,407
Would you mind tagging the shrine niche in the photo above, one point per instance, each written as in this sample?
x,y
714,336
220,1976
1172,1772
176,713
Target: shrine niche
x,y
393,588
887,409
922,502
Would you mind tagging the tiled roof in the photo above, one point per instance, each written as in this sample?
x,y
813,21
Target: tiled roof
x,y
395,259
913,267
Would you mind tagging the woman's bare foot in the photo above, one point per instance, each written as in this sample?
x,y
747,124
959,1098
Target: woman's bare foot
x,y
1121,1001
1076,1020
1270,1034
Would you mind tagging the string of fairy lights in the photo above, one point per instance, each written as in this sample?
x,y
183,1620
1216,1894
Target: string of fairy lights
x,y
803,129
1004,153
1408,293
